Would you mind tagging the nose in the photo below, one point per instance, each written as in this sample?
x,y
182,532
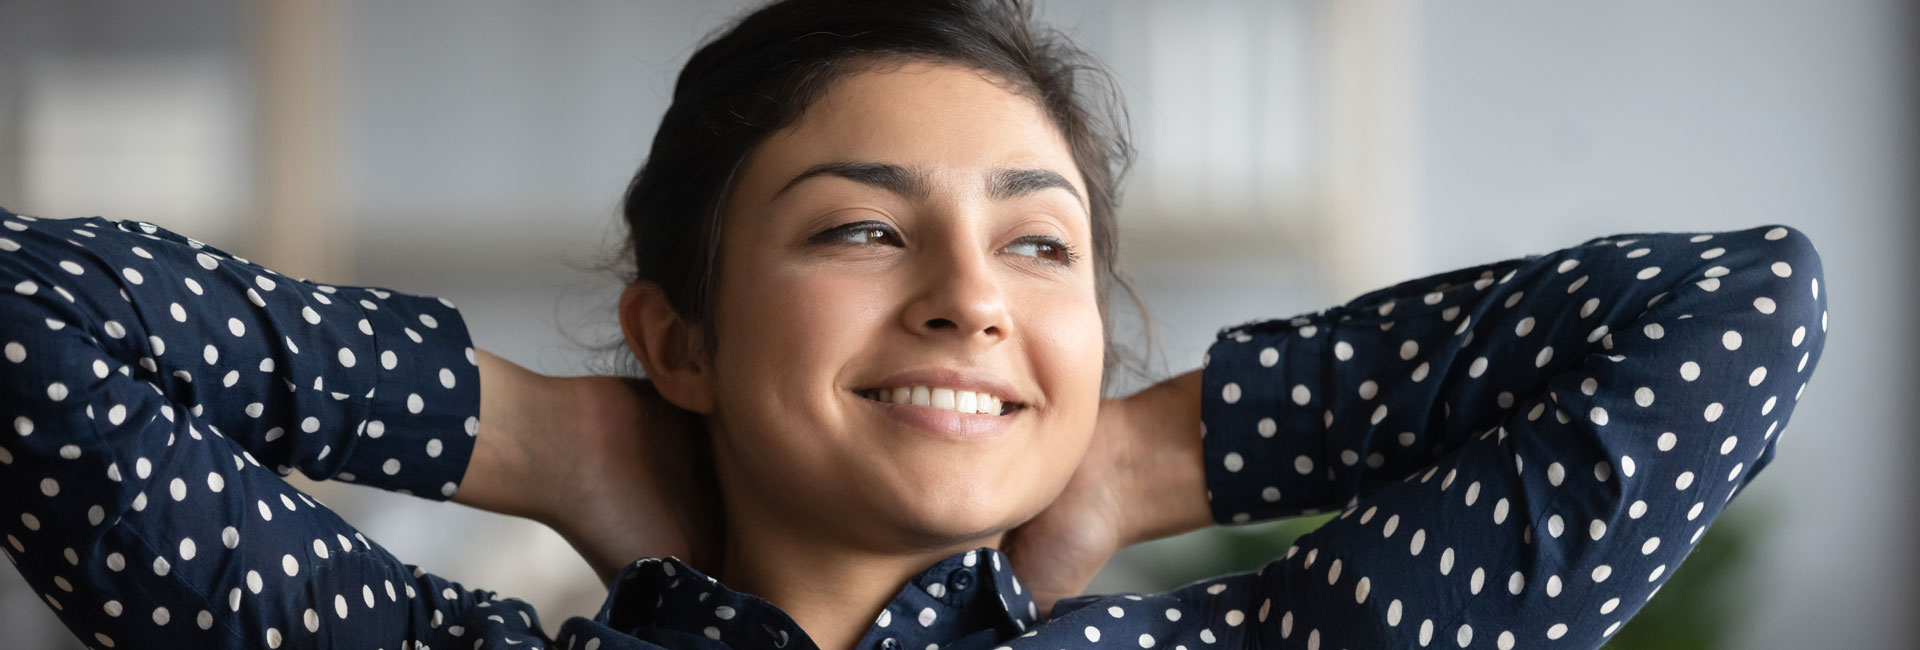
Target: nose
x,y
960,296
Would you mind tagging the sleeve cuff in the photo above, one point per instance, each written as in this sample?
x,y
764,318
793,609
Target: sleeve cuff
x,y
1261,419
424,412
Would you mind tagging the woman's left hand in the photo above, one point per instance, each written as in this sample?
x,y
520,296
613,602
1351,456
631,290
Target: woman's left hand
x,y
1141,479
1060,550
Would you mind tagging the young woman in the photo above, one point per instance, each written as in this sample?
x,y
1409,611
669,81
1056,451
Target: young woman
x,y
873,242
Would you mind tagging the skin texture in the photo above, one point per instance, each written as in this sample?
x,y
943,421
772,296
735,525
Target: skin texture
x,y
833,508
830,505
1141,480
604,461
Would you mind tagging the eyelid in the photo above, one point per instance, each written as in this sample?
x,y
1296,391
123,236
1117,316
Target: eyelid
x,y
1067,251
834,234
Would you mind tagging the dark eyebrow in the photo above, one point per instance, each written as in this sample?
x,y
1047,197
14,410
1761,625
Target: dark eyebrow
x,y
1005,184
887,176
1002,184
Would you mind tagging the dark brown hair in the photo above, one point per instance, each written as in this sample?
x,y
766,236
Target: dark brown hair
x,y
761,73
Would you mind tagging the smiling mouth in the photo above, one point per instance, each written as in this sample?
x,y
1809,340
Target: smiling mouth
x,y
960,401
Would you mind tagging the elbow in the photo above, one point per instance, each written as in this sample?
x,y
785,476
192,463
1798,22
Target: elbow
x,y
1792,251
1794,281
1765,280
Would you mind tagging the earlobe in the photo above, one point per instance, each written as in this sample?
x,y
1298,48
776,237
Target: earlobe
x,y
667,347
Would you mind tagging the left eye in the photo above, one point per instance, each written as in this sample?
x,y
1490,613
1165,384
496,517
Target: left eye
x,y
1043,247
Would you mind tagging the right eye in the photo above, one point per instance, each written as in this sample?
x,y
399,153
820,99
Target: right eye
x,y
860,232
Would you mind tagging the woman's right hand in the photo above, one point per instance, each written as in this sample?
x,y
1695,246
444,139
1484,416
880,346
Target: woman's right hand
x,y
641,481
605,461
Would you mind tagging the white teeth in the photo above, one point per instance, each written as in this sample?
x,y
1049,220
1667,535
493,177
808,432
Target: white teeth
x,y
964,401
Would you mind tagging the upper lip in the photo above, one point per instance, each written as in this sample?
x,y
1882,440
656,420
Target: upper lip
x,y
979,381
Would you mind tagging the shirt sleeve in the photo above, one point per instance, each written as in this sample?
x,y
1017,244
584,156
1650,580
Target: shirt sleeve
x,y
155,389
1520,452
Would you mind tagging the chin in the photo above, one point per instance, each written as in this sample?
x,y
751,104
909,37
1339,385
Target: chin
x,y
890,493
961,510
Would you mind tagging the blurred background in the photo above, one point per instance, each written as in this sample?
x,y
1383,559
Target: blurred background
x,y
1293,154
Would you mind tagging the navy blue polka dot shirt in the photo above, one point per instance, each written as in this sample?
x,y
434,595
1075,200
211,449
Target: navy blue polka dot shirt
x,y
1520,454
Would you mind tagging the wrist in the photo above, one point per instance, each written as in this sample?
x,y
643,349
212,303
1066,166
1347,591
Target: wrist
x,y
520,412
600,421
1165,470
587,423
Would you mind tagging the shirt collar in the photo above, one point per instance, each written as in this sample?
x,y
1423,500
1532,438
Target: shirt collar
x,y
970,599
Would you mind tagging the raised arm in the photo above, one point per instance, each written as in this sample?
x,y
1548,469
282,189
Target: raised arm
x,y
156,388
1521,452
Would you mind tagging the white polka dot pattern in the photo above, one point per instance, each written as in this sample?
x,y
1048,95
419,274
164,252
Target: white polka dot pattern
x,y
1478,400
1684,389
188,380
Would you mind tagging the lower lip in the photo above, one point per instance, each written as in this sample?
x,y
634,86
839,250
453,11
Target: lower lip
x,y
945,423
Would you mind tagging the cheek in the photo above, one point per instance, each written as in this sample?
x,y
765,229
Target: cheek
x,y
785,323
1068,344
778,422
1067,347
782,340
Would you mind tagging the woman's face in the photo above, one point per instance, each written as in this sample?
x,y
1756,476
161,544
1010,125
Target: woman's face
x,y
910,231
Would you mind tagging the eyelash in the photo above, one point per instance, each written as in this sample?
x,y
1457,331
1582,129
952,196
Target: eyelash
x,y
1067,255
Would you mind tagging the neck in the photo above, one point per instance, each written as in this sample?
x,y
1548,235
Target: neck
x,y
832,589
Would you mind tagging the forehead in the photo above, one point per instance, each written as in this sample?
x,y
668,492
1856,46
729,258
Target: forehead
x,y
951,121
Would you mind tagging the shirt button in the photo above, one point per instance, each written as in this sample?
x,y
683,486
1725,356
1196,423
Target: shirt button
x,y
889,643
961,580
